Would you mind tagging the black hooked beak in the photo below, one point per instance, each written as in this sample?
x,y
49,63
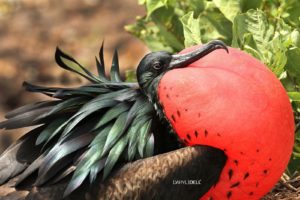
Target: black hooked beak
x,y
182,60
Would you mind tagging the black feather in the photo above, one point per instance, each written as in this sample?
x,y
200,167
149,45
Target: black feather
x,y
39,89
101,65
18,156
112,114
67,62
25,119
88,130
114,72
59,152
30,107
29,170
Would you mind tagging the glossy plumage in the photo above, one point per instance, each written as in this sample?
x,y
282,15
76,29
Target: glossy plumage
x,y
90,127
156,177
85,135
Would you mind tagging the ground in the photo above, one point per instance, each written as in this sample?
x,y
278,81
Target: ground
x,y
288,189
30,30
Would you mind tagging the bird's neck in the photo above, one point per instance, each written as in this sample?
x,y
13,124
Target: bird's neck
x,y
150,88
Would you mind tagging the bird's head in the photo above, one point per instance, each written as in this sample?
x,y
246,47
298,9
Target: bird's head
x,y
154,65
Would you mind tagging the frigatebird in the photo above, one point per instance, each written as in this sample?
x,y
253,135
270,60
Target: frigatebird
x,y
111,139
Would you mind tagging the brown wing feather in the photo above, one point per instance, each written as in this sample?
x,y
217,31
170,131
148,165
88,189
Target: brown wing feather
x,y
150,178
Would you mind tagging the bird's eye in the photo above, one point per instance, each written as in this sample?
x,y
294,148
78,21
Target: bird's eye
x,y
157,66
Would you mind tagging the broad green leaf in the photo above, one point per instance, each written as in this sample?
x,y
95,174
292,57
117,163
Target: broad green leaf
x,y
196,6
295,37
253,4
191,30
253,33
255,23
294,164
294,96
269,30
215,26
130,75
149,33
230,8
276,59
292,10
169,26
168,3
293,64
141,2
153,5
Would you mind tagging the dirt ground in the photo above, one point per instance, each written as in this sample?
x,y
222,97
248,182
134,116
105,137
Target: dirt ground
x,y
30,30
286,189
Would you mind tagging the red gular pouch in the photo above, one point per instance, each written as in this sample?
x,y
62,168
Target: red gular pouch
x,y
233,102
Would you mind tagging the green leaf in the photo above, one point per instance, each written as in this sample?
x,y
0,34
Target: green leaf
x,y
195,6
294,96
253,33
130,75
255,23
214,25
153,5
169,27
253,4
277,59
230,8
191,30
293,63
294,164
295,37
292,12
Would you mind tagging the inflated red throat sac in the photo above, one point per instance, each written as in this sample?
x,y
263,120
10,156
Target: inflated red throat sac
x,y
233,102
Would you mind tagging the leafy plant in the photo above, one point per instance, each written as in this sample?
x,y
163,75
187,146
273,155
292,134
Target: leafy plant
x,y
267,29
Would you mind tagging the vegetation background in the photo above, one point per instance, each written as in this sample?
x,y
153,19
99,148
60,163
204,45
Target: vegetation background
x,y
266,29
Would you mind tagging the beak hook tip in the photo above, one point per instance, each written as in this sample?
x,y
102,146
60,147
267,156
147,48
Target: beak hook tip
x,y
220,45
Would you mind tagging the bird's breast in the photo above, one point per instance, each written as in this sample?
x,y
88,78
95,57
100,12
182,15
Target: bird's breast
x,y
234,103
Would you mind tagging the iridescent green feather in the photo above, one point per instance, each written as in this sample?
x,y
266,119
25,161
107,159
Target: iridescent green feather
x,y
86,130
